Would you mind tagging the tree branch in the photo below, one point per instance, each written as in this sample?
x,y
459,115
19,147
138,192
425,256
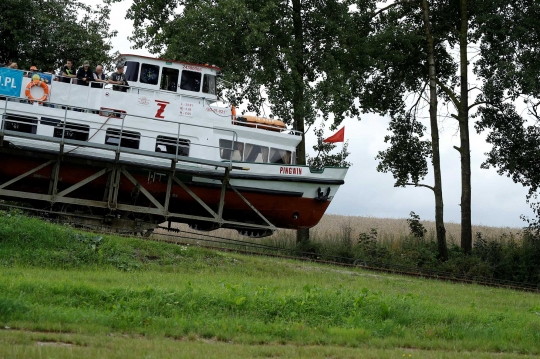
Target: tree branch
x,y
391,6
420,185
419,98
450,94
478,104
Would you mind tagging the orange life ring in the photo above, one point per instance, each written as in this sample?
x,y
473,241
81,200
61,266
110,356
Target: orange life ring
x,y
43,86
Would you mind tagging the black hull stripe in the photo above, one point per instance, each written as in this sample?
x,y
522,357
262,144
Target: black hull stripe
x,y
285,179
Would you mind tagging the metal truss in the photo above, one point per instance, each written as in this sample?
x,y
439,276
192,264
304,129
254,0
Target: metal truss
x,y
114,172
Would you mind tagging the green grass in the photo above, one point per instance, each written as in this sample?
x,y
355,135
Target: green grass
x,y
65,293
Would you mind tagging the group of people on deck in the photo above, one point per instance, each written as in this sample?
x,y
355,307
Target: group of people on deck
x,y
85,76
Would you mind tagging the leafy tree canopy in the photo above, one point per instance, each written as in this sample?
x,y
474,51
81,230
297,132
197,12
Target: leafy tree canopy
x,y
407,154
289,53
47,33
510,70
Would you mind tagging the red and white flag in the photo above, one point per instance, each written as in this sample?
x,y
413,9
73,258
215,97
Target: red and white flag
x,y
337,137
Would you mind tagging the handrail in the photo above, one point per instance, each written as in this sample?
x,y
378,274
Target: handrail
x,y
267,126
118,149
131,89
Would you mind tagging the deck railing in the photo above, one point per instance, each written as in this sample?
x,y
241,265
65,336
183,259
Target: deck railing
x,y
70,131
155,93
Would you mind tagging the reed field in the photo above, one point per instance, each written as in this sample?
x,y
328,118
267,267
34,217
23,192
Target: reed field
x,y
499,253
333,227
66,293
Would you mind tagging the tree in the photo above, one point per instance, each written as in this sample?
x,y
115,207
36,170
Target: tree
x,y
286,53
46,33
415,40
510,71
404,53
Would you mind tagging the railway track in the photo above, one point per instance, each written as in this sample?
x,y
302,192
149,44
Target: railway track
x,y
181,237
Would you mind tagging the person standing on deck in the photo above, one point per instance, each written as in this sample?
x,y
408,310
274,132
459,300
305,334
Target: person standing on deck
x,y
68,72
84,74
118,79
99,77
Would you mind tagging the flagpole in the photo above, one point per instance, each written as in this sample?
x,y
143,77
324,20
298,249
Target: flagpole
x,y
342,148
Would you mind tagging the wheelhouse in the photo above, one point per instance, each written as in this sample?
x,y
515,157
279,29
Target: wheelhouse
x,y
171,76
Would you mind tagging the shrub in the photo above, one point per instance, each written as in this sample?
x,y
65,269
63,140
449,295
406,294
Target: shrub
x,y
417,229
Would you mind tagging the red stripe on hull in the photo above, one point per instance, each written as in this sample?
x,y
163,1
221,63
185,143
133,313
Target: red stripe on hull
x,y
283,211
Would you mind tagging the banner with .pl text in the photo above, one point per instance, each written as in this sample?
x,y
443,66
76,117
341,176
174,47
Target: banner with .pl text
x,y
10,82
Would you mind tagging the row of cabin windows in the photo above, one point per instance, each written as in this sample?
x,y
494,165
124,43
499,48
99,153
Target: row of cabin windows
x,y
253,153
130,139
238,152
75,131
170,78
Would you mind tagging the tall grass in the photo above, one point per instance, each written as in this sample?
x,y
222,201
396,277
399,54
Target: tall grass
x,y
389,230
499,253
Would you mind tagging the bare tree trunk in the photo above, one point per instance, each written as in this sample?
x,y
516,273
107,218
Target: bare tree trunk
x,y
302,235
437,188
465,151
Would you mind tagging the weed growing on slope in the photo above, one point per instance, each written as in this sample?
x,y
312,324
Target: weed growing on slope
x,y
30,241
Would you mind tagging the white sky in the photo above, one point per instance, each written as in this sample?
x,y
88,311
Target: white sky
x,y
496,200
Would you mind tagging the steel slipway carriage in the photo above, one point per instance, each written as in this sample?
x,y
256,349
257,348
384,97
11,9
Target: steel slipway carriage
x,y
164,150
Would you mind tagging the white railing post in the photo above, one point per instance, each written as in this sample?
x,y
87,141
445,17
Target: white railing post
x,y
177,144
64,127
120,136
4,115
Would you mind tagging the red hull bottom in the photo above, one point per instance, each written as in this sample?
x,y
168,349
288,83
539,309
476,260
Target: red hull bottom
x,y
283,210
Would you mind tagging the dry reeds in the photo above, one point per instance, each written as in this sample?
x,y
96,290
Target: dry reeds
x,y
348,228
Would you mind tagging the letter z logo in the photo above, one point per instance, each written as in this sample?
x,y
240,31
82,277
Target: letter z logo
x,y
161,108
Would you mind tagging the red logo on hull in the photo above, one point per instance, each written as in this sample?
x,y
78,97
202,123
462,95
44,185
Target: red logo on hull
x,y
161,109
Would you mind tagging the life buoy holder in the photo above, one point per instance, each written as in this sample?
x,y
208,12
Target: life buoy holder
x,y
43,85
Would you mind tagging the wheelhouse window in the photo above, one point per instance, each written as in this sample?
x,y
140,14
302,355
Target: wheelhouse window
x,y
73,131
169,144
131,70
256,153
191,81
149,74
280,156
225,152
209,84
169,79
129,139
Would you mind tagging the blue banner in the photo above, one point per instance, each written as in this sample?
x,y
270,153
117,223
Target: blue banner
x,y
10,82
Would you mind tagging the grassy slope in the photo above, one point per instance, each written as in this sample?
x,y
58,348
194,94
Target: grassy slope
x,y
119,297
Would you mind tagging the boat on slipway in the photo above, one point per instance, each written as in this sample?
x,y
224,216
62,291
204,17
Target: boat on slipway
x,y
162,149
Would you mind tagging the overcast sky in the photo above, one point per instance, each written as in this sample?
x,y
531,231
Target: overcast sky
x,y
496,200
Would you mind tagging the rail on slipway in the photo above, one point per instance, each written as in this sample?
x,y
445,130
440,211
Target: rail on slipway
x,y
115,161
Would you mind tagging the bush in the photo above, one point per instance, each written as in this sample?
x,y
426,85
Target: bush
x,y
510,257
